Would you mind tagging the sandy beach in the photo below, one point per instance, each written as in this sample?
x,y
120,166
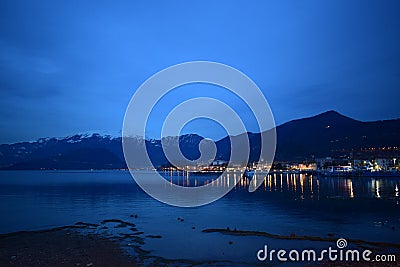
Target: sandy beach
x,y
108,244
64,246
111,242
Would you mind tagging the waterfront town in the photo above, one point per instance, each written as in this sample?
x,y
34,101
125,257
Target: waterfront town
x,y
327,166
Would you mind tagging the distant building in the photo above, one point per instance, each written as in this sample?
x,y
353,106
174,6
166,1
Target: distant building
x,y
304,167
219,162
384,164
359,162
321,162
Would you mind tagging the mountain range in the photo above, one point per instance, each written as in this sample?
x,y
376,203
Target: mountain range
x,y
327,134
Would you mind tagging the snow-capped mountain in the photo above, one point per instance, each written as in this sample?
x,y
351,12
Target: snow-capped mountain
x,y
326,134
89,150
76,151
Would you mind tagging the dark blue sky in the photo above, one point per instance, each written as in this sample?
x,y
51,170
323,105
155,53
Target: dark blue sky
x,y
72,66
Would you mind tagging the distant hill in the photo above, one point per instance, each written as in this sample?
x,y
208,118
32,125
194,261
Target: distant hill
x,y
333,134
326,134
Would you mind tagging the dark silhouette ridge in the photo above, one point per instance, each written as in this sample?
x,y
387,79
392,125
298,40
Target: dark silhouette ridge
x,y
327,134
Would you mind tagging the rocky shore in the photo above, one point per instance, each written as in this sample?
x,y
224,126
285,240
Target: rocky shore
x,y
77,245
114,242
111,242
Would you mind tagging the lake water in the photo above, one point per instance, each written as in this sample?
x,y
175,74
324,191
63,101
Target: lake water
x,y
358,208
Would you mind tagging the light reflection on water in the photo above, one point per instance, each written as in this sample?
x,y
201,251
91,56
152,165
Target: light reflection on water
x,y
304,186
363,208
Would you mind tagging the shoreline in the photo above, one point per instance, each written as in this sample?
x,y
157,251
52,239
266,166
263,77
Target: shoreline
x,y
358,242
114,242
64,246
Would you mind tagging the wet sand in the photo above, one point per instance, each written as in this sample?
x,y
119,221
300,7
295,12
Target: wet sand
x,y
106,243
295,237
111,242
379,247
64,246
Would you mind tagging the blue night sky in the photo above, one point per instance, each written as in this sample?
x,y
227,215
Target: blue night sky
x,y
72,66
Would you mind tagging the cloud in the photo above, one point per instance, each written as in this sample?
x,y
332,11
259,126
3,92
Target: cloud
x,y
26,76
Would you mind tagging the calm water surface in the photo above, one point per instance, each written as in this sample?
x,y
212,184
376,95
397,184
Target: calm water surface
x,y
362,208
